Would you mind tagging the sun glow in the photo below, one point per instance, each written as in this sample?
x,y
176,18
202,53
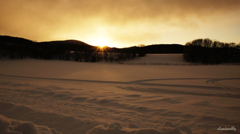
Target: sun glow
x,y
101,42
101,47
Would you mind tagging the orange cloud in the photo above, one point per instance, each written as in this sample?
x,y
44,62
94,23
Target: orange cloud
x,y
50,19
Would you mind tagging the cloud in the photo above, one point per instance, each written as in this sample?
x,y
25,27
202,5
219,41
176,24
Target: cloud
x,y
50,19
122,11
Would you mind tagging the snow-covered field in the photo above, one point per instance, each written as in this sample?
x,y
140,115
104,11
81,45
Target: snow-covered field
x,y
51,97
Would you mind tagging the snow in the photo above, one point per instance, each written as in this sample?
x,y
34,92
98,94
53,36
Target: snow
x,y
10,126
48,97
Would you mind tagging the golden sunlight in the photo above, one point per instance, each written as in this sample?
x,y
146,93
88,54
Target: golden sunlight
x,y
101,42
101,48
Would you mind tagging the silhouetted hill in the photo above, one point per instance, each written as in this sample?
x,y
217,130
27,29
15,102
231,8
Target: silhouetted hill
x,y
65,42
14,40
15,47
199,50
8,42
67,45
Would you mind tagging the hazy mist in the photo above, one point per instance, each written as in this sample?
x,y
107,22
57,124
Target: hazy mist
x,y
121,23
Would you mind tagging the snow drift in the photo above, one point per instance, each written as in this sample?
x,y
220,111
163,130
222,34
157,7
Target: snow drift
x,y
48,97
10,126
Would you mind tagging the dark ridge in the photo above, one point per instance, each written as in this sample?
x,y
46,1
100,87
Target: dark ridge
x,y
66,42
67,45
74,50
13,44
198,51
14,40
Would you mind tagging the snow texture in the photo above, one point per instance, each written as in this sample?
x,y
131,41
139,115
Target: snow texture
x,y
53,97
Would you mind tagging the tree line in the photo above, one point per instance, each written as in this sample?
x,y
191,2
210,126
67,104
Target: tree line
x,y
208,51
204,51
20,48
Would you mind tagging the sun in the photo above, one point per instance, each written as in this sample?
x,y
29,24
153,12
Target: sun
x,y
101,42
101,47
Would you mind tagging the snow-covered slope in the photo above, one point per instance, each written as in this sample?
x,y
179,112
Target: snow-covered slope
x,y
50,97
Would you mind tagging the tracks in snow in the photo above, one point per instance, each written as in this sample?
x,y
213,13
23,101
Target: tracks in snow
x,y
213,81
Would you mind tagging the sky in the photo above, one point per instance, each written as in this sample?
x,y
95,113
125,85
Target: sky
x,y
121,23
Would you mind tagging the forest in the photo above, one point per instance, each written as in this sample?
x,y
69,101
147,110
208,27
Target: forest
x,y
208,51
